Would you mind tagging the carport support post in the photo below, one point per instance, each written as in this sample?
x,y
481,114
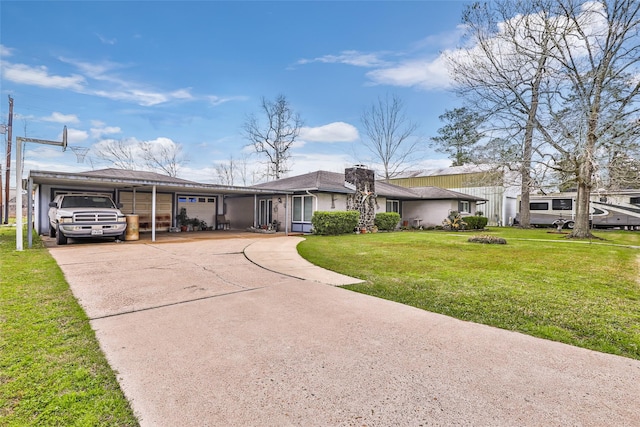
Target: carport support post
x,y
29,214
153,214
19,142
286,214
255,210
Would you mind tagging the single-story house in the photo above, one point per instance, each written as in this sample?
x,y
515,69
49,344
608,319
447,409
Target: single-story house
x,y
155,198
356,189
288,203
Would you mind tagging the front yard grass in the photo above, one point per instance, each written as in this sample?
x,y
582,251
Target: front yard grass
x,y
577,292
52,371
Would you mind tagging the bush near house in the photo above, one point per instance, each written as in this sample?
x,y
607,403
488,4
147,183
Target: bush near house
x,y
387,221
334,223
476,222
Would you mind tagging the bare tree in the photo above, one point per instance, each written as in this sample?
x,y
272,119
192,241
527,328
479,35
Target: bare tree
x,y
119,153
163,156
389,135
563,75
226,171
275,137
501,75
593,108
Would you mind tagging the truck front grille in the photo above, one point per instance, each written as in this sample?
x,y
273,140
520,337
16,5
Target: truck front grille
x,y
95,217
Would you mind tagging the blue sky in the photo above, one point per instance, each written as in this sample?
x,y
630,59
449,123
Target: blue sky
x,y
190,73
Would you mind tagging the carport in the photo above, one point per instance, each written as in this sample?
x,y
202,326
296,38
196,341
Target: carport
x,y
130,187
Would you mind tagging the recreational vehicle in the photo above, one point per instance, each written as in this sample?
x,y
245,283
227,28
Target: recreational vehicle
x,y
611,209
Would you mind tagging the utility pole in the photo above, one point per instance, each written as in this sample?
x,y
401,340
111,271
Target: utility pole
x,y
8,169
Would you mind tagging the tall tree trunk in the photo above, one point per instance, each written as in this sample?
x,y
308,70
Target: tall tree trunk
x,y
525,189
581,229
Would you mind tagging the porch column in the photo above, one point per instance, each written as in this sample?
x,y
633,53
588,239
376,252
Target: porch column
x,y
286,214
153,214
29,213
255,208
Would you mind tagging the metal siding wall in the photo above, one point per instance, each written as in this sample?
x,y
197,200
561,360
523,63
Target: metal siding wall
x,y
492,208
468,180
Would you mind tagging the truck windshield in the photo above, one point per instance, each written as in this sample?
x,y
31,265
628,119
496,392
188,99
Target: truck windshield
x,y
87,202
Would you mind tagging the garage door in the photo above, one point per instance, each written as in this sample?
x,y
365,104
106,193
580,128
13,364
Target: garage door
x,y
143,209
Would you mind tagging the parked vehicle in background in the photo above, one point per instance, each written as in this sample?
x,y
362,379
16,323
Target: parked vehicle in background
x,y
85,215
611,209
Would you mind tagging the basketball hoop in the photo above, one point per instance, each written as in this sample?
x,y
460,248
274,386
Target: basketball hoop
x,y
80,153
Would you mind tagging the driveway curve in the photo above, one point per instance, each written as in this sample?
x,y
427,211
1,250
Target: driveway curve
x,y
199,335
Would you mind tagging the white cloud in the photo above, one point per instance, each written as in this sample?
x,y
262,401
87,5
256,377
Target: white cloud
x,y
424,73
349,57
5,51
57,117
75,136
216,100
106,40
182,94
332,132
310,162
100,130
39,76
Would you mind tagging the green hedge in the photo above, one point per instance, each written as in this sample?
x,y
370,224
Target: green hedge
x,y
387,220
476,222
333,223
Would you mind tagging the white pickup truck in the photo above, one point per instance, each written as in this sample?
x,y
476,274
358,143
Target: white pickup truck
x,y
85,215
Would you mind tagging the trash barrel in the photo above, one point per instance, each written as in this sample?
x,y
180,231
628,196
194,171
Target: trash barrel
x,y
132,232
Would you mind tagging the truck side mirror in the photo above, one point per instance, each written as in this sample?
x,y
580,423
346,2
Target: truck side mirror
x,y
53,205
119,205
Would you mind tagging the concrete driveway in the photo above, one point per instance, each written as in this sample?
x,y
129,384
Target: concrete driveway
x,y
199,335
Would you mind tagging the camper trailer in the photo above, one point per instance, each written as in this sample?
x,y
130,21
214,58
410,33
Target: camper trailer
x,y
611,209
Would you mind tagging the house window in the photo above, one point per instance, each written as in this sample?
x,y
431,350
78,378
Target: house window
x,y
562,204
539,206
463,206
302,208
393,206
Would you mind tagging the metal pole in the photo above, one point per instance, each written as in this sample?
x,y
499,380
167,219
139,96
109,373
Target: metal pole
x,y
19,194
286,214
153,214
29,213
8,168
255,209
19,142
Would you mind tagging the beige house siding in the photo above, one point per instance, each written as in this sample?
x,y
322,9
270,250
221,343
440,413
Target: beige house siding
x,y
429,213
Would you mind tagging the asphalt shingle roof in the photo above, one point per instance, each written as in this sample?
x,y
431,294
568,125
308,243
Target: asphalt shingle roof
x,y
333,182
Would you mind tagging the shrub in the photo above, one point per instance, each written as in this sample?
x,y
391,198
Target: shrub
x,y
490,240
476,222
332,223
387,221
454,222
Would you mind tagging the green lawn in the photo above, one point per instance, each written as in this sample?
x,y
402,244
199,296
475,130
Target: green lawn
x,y
577,292
52,371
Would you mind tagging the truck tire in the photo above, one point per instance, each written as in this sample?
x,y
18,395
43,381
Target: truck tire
x,y
570,225
52,231
61,239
